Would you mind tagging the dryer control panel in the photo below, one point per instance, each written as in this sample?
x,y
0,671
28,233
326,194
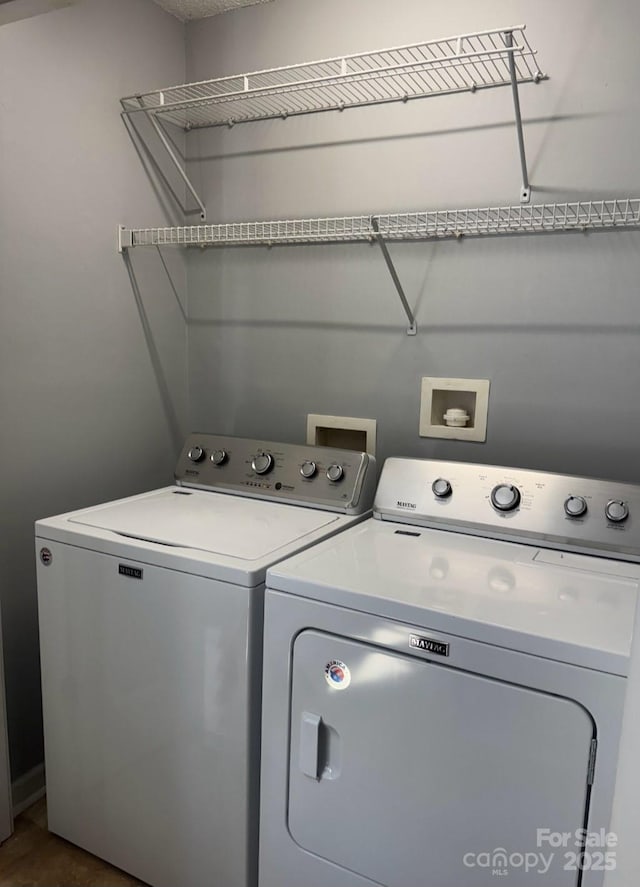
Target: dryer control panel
x,y
557,511
318,477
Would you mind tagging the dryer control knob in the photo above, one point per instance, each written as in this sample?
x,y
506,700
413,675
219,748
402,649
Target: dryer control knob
x,y
575,506
262,463
441,488
308,468
335,472
219,457
617,511
505,497
196,454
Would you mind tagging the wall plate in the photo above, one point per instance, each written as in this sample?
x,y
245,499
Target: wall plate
x,y
439,395
344,432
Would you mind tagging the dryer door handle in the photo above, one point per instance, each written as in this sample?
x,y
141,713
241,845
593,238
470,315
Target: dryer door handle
x,y
310,727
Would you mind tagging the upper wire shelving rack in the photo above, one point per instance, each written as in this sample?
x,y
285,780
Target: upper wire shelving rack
x,y
438,67
464,63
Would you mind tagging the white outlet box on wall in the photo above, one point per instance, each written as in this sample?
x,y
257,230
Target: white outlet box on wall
x,y
440,395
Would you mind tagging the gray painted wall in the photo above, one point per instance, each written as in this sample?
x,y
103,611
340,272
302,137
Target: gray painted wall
x,y
552,321
92,372
93,383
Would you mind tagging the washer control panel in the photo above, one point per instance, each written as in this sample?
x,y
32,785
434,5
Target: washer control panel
x,y
318,477
562,511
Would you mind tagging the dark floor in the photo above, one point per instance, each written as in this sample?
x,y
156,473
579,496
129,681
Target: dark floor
x,y
33,857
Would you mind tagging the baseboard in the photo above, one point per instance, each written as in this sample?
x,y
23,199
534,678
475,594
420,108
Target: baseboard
x,y
27,789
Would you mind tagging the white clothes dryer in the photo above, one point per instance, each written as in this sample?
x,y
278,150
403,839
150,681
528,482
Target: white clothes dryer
x,y
443,686
151,612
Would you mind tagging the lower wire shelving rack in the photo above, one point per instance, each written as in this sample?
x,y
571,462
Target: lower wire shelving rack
x,y
409,226
491,220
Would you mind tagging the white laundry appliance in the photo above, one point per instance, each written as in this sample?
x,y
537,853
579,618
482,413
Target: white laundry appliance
x,y
443,685
151,612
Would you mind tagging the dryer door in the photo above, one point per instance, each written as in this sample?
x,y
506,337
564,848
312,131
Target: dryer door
x,y
415,774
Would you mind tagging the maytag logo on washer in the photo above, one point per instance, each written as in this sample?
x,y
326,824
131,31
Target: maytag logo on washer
x,y
429,645
411,505
131,572
337,674
46,556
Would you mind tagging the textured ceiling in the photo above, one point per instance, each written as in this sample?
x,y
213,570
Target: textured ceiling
x,y
190,9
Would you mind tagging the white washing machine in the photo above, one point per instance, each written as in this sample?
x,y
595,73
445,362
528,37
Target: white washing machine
x,y
151,612
443,685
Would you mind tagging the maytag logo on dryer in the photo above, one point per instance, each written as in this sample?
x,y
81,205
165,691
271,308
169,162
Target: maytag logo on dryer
x,y
411,505
131,572
429,645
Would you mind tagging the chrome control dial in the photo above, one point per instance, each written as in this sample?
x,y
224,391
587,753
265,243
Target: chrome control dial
x,y
505,497
335,472
441,488
196,454
308,468
262,463
616,510
575,506
219,457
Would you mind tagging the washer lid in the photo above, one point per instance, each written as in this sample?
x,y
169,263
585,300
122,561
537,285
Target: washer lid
x,y
232,526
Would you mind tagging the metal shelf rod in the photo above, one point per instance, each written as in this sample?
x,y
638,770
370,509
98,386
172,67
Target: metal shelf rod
x,y
412,329
172,154
525,193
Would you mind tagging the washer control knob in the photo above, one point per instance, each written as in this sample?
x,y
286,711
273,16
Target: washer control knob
x,y
505,497
262,463
335,472
308,468
616,510
441,488
196,454
219,457
575,506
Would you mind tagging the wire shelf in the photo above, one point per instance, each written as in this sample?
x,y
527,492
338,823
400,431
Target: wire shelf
x,y
455,64
537,218
336,230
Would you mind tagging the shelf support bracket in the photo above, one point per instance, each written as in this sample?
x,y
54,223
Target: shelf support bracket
x,y
125,238
412,329
174,159
525,191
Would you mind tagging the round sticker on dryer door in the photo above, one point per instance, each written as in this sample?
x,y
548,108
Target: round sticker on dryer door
x,y
337,674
